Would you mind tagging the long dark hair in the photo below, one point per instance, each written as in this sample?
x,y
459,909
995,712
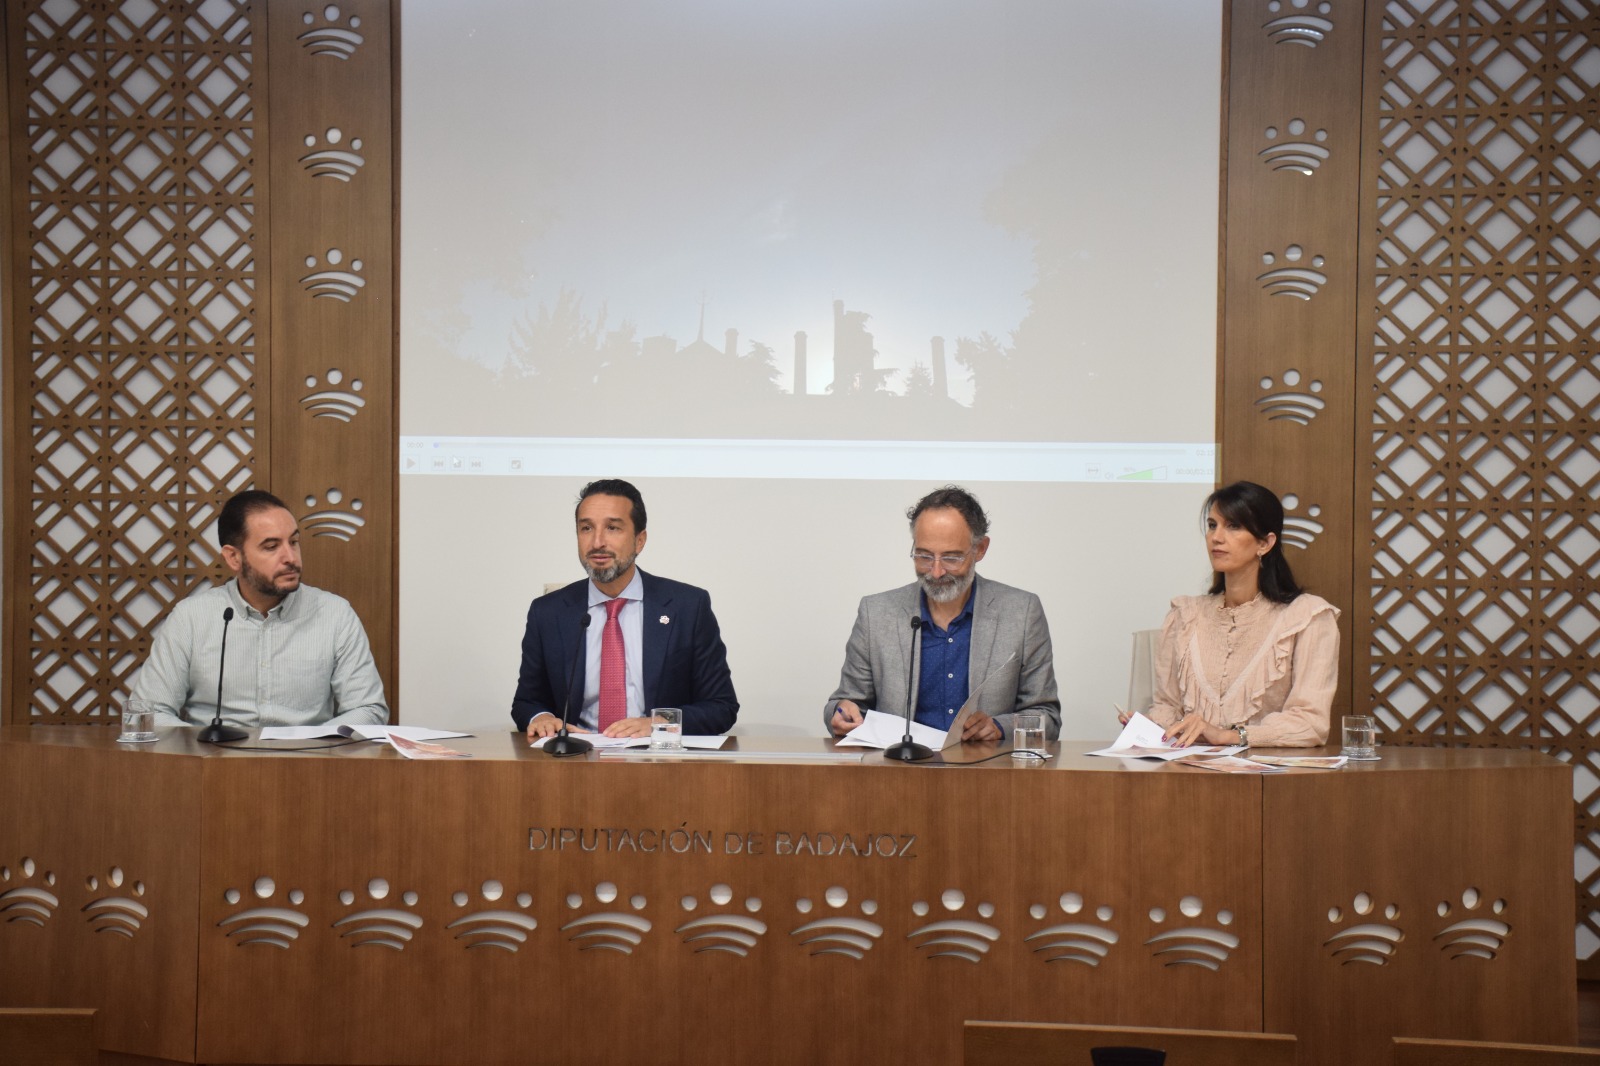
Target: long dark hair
x,y
1258,510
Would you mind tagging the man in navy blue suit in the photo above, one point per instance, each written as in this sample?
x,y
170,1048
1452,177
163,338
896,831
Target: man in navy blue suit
x,y
649,642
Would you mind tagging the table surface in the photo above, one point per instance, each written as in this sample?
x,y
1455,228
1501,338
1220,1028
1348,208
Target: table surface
x,y
494,742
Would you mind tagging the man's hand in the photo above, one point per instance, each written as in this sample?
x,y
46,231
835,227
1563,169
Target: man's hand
x,y
846,716
546,724
980,727
630,727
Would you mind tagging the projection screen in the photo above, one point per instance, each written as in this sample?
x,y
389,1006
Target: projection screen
x,y
787,267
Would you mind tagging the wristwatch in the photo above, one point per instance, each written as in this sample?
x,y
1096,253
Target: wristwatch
x,y
1244,734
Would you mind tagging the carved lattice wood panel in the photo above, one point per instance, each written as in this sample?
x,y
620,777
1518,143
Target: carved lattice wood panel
x,y
1480,467
148,148
137,348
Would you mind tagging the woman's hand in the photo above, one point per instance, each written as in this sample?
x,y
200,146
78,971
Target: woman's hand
x,y
1193,729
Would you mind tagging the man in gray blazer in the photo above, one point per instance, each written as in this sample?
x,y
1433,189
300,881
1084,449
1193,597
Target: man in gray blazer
x,y
976,635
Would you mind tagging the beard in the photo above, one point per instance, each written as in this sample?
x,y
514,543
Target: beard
x,y
946,589
277,589
603,575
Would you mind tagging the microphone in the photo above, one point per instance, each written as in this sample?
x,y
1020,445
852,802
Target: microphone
x,y
216,732
562,745
909,750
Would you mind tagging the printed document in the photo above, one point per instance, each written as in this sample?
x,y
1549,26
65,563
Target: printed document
x,y
1142,738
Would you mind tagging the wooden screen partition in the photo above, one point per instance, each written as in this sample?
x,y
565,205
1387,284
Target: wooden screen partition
x,y
511,907
1480,533
1423,177
200,282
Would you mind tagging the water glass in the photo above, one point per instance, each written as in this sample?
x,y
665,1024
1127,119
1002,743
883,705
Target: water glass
x,y
138,722
1360,737
1027,736
666,729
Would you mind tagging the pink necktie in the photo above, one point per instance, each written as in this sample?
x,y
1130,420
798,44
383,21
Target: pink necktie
x,y
613,668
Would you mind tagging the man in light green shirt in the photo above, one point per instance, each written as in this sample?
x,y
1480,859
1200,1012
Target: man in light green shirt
x,y
296,655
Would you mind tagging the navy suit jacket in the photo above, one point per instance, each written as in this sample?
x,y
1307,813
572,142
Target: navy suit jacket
x,y
685,662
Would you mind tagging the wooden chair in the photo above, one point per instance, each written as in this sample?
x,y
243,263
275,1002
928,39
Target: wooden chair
x,y
1025,1043
1413,1051
49,1037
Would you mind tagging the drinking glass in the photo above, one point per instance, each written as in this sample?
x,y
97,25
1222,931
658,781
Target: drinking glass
x,y
1360,738
138,722
666,729
1027,736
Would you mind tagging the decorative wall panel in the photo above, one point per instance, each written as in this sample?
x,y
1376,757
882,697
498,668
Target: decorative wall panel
x,y
1479,535
1292,130
136,342
1432,166
152,298
332,423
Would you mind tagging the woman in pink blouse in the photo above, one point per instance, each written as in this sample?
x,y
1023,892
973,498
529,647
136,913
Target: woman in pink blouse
x,y
1254,662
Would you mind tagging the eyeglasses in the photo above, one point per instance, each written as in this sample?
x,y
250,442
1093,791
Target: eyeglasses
x,y
949,560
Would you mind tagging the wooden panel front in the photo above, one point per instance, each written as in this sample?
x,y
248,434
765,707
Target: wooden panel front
x,y
1033,1044
423,912
1413,1052
994,851
98,887
1458,878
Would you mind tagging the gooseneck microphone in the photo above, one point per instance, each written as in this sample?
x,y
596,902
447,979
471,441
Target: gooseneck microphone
x,y
216,732
562,745
909,750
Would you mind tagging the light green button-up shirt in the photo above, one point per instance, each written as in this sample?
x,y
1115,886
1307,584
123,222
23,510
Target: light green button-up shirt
x,y
305,662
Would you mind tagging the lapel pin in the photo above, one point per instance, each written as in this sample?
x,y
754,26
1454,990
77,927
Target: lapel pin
x,y
665,619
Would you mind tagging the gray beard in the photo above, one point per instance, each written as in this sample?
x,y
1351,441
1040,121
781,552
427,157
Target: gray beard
x,y
608,574
950,590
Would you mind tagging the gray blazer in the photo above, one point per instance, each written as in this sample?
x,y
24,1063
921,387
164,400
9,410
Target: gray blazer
x,y
1004,620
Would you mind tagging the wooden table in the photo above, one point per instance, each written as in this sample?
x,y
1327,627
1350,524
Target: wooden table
x,y
351,906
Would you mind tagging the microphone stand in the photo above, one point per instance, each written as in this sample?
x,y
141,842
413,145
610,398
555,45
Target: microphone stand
x,y
909,750
562,745
216,732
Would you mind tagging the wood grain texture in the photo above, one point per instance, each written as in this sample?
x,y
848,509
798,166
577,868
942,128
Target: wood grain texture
x,y
414,913
127,838
1407,849
334,438
453,826
175,331
62,1036
1035,1044
1409,1051
1287,384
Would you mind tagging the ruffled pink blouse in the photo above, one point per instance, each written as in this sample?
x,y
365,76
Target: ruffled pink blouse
x,y
1271,666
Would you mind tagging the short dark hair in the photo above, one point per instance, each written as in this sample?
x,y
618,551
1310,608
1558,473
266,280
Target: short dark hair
x,y
958,499
1257,509
614,486
235,516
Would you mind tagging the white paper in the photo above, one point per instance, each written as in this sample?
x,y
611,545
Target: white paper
x,y
1230,764
1142,738
1306,762
409,732
298,732
364,732
691,743
600,740
879,730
